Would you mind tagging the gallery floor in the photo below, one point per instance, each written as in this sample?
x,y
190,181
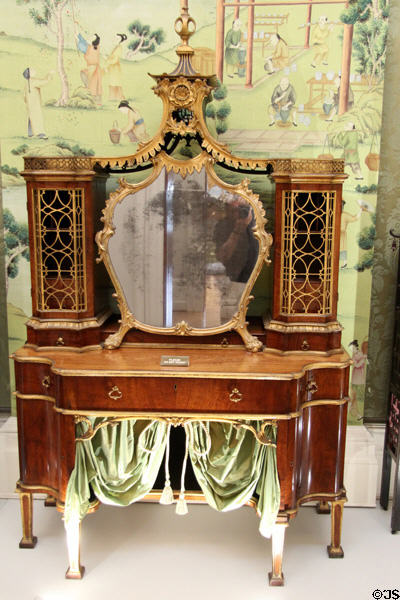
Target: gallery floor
x,y
146,552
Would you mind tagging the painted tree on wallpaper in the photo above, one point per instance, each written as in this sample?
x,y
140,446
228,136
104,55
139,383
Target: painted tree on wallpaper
x,y
145,39
50,14
16,238
371,20
219,108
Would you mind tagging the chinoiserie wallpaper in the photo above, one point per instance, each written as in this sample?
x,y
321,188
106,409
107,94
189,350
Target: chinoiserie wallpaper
x,y
74,80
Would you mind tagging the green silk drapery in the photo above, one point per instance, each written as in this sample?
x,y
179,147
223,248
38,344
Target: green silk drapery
x,y
120,463
235,466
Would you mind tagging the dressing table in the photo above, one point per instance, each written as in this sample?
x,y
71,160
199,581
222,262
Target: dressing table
x,y
142,307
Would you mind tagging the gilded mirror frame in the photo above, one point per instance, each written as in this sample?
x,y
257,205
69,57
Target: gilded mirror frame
x,y
184,167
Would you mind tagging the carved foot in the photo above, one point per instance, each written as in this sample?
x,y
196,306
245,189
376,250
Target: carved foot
x,y
275,581
28,543
78,574
335,550
115,339
50,501
276,577
28,539
323,508
252,343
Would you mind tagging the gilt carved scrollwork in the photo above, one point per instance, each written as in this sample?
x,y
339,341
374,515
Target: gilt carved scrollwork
x,y
177,421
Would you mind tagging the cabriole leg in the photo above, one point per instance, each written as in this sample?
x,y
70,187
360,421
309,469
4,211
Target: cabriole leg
x,y
75,570
28,540
323,507
278,537
335,550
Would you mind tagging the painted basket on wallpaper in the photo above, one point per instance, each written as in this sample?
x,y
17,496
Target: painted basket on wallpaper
x,y
372,161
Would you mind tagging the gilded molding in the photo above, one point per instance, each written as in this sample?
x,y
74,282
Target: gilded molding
x,y
178,416
311,403
282,327
73,324
42,397
22,488
58,163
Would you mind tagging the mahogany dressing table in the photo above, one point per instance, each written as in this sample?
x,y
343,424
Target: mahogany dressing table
x,y
181,251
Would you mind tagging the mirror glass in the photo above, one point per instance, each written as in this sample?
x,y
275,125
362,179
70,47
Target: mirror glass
x,y
183,250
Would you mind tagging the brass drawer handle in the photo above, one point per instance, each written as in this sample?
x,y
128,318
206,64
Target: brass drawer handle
x,y
115,393
46,381
305,345
312,387
235,395
60,342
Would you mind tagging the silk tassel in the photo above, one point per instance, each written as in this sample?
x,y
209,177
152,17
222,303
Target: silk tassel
x,y
167,496
181,506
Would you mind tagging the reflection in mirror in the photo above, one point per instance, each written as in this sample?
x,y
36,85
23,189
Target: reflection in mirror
x,y
183,250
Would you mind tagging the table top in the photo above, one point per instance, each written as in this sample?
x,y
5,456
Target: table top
x,y
144,361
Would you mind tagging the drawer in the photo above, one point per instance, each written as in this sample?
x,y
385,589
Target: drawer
x,y
327,383
34,378
169,394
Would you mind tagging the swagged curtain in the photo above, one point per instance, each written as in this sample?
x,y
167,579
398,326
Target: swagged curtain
x,y
121,462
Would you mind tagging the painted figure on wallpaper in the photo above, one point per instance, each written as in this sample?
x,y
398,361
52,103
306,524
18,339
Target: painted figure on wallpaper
x,y
113,70
279,59
233,40
135,128
345,221
358,373
91,75
282,105
51,15
331,102
319,40
349,139
33,102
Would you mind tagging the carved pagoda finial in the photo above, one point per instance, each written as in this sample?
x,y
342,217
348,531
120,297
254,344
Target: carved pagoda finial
x,y
185,27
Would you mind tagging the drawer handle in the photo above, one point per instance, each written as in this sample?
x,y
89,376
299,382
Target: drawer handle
x,y
46,381
115,393
312,387
60,341
235,395
305,345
